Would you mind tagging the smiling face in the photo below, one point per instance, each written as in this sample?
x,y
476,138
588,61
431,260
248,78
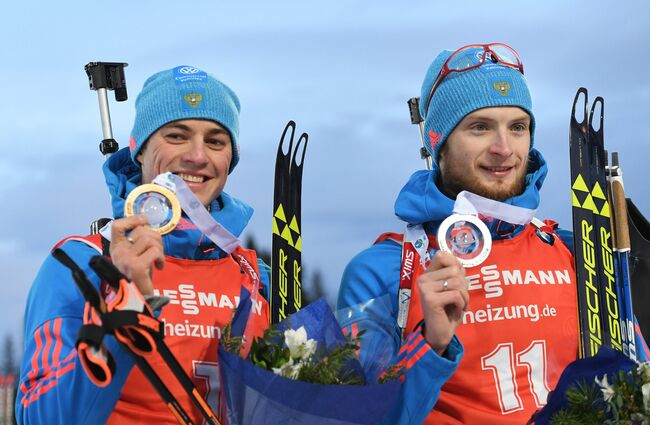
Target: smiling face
x,y
198,151
487,154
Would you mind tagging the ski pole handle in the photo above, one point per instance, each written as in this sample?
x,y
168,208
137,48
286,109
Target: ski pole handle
x,y
104,76
622,247
618,193
416,118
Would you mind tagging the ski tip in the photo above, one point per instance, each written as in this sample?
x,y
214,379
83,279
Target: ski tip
x,y
599,101
299,158
581,92
291,125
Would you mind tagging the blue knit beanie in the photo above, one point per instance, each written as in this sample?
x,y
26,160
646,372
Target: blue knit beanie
x,y
184,92
461,93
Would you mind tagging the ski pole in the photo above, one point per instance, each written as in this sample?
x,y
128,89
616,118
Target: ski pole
x,y
416,118
622,250
617,273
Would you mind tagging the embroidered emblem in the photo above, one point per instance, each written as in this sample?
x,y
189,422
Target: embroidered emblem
x,y
502,87
434,138
193,99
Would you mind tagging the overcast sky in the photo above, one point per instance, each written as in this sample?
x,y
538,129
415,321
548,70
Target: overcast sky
x,y
342,70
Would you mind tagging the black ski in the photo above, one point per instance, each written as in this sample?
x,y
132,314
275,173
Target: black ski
x,y
610,292
286,265
598,304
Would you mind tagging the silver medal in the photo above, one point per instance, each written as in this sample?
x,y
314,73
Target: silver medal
x,y
466,237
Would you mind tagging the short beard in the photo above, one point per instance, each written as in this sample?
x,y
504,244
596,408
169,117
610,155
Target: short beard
x,y
452,182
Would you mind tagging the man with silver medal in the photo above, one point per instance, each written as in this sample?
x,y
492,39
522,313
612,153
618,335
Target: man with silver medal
x,y
488,274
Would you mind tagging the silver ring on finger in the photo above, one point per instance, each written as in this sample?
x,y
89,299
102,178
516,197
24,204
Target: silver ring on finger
x,y
130,239
445,285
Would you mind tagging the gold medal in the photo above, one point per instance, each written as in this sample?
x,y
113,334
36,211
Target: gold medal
x,y
157,203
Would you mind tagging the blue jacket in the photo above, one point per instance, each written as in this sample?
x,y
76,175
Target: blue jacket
x,y
374,273
53,387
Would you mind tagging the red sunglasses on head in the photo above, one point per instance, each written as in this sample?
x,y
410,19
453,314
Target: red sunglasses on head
x,y
472,56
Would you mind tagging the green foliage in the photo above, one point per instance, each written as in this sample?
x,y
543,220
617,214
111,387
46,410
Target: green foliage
x,y
320,367
586,406
330,368
621,402
268,352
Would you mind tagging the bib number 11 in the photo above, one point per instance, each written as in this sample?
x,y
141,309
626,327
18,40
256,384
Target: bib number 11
x,y
503,362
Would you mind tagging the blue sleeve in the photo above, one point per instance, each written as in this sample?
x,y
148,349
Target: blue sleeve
x,y
374,275
265,277
53,386
567,238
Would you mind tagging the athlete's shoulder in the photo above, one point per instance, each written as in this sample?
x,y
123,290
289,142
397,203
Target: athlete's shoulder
x,y
53,292
377,258
566,236
371,273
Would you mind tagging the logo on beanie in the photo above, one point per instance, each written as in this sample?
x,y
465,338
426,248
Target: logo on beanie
x,y
434,139
193,99
502,87
186,74
188,70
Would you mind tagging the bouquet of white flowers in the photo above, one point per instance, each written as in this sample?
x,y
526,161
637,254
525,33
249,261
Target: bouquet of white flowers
x,y
302,371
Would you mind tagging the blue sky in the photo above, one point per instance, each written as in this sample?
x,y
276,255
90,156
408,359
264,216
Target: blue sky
x,y
342,70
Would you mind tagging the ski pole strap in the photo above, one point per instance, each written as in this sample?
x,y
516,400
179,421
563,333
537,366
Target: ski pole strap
x,y
87,289
128,315
136,330
96,360
91,334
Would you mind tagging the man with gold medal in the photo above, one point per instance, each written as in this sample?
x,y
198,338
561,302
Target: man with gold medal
x,y
183,147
